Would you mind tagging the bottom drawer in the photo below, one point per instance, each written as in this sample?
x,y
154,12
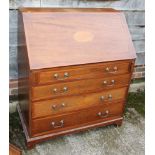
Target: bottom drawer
x,y
71,120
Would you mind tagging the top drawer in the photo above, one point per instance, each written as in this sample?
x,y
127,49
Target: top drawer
x,y
72,73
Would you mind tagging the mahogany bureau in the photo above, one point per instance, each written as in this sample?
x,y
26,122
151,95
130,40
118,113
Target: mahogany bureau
x,y
75,67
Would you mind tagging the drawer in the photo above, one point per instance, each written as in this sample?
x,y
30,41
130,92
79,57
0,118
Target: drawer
x,y
72,120
79,87
74,103
82,72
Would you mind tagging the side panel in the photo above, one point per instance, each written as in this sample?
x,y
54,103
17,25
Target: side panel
x,y
23,72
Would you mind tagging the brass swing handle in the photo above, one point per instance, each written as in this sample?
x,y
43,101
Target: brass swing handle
x,y
58,125
57,107
63,90
56,76
103,114
113,70
102,98
106,83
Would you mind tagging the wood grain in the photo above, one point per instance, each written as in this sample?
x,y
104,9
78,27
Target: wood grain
x,y
81,72
13,150
74,103
60,41
77,118
24,72
78,87
47,29
32,141
52,9
134,12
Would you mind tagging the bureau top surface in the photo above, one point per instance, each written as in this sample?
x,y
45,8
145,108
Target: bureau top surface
x,y
63,37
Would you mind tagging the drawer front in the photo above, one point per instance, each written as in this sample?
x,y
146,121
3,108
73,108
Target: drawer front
x,y
79,87
73,103
98,113
83,72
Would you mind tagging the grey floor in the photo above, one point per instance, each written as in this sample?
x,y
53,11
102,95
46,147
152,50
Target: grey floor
x,y
125,140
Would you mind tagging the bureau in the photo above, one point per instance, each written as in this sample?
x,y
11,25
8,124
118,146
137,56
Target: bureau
x,y
75,67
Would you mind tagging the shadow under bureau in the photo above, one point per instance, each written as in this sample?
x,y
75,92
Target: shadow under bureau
x,y
75,67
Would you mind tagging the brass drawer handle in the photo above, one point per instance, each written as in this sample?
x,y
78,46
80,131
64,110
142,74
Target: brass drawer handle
x,y
63,104
58,125
66,74
54,107
114,70
55,90
64,89
56,76
107,69
109,96
102,98
103,114
57,107
106,83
